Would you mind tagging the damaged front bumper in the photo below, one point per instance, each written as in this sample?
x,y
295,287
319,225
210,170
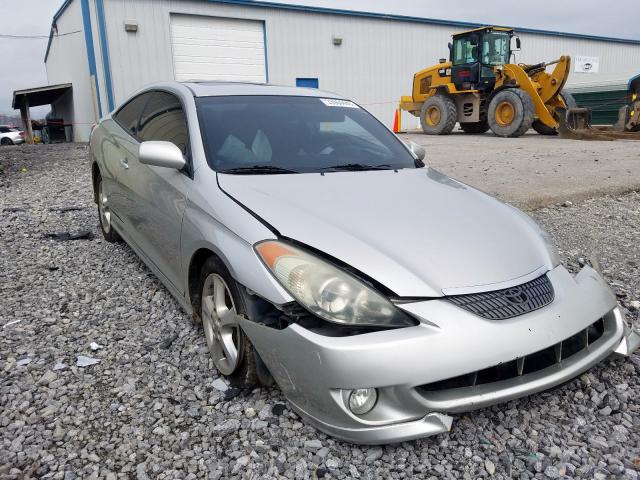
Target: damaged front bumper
x,y
412,368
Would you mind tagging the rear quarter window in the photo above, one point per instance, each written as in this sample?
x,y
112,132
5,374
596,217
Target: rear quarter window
x,y
129,114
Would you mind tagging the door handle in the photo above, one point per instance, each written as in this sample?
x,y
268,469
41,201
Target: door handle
x,y
124,163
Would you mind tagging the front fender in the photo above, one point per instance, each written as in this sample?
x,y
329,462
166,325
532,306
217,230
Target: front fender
x,y
207,225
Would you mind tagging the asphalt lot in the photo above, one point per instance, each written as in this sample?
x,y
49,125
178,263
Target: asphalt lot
x,y
535,170
152,406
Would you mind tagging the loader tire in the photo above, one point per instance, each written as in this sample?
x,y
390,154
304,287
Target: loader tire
x,y
475,127
510,113
438,115
542,129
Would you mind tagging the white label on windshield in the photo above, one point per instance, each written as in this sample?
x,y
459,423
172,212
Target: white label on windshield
x,y
334,102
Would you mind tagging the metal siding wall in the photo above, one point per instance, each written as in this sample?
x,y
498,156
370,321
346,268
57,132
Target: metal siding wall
x,y
67,63
374,65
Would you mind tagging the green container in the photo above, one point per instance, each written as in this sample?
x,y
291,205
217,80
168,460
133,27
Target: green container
x,y
604,105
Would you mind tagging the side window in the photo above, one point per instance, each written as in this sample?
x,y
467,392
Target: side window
x,y
163,119
465,50
4,130
127,117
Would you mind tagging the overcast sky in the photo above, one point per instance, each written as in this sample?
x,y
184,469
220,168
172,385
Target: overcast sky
x,y
22,60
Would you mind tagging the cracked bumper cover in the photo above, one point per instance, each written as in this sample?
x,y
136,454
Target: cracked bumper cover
x,y
316,372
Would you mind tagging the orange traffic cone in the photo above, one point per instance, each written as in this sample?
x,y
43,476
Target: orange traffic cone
x,y
396,122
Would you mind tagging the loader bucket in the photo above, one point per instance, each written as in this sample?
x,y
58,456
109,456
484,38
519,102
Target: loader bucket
x,y
575,124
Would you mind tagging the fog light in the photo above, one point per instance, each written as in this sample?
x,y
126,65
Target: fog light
x,y
362,400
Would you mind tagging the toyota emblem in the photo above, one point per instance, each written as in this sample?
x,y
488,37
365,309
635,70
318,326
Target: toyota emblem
x,y
516,295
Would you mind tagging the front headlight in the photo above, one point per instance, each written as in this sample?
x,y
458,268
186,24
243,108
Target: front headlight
x,y
327,291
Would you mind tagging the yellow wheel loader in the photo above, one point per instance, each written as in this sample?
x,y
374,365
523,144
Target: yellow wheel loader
x,y
479,89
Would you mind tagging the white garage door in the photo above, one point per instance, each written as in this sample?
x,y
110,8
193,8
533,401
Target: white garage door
x,y
211,48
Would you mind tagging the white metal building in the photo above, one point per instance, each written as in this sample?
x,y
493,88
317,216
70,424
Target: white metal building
x,y
122,45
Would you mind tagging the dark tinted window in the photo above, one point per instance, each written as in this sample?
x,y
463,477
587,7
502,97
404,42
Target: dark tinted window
x,y
128,115
163,119
6,129
465,50
303,134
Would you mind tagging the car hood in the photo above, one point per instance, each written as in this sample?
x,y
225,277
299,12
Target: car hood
x,y
416,231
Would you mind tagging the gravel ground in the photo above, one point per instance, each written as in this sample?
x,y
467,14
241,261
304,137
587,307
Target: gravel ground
x,y
535,170
152,407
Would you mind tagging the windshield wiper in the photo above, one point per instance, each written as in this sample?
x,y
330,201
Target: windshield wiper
x,y
354,167
258,170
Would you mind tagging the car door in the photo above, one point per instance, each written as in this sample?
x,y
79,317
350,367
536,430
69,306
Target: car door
x,y
119,149
157,196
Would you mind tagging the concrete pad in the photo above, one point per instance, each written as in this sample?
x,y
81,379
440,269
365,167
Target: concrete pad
x,y
535,170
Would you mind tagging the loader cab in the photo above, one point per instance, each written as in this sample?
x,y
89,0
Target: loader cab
x,y
475,53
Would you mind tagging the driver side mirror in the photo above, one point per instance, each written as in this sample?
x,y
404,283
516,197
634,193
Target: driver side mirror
x,y
416,150
161,154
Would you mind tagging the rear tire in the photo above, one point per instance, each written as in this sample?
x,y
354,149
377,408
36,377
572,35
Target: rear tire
x,y
543,129
229,347
6,141
438,115
510,113
104,214
475,127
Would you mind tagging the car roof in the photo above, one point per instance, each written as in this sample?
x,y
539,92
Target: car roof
x,y
213,89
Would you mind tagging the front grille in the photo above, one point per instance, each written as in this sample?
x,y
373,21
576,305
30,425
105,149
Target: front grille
x,y
524,365
508,302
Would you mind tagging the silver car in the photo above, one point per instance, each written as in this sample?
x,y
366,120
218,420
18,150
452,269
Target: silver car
x,y
319,251
10,135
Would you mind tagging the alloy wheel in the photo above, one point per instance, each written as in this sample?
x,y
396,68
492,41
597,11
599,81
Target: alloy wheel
x,y
103,208
220,322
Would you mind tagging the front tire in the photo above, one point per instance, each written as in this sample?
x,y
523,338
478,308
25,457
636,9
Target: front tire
x,y
220,305
438,115
511,113
104,214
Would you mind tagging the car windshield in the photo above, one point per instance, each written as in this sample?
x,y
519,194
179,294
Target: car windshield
x,y
289,134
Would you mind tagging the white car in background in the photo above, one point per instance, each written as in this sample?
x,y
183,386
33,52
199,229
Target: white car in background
x,y
10,135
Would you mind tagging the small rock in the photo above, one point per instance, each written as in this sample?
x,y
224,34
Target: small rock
x,y
59,366
551,472
606,411
23,362
555,451
95,347
332,463
83,361
227,426
220,384
323,452
373,454
489,466
278,409
313,445
599,443
47,378
260,424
